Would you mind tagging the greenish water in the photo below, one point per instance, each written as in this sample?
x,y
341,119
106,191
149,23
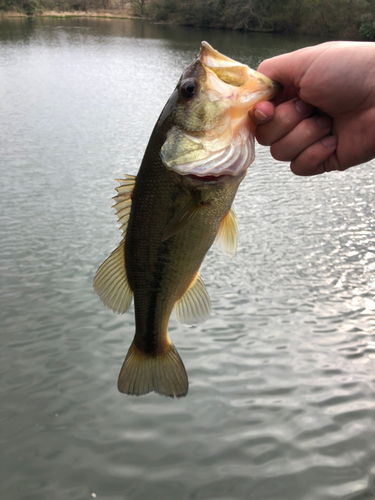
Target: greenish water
x,y
282,376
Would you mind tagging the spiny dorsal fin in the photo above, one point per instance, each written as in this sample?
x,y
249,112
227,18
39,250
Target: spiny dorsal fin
x,y
111,282
123,201
195,305
163,373
183,217
226,238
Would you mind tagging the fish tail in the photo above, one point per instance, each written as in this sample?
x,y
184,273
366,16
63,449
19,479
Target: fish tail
x,y
163,373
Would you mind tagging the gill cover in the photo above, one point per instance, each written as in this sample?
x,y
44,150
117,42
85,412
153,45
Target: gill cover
x,y
211,133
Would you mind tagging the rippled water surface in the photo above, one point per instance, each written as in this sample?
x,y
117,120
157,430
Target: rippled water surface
x,y
282,376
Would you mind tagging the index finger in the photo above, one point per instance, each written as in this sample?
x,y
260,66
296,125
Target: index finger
x,y
283,68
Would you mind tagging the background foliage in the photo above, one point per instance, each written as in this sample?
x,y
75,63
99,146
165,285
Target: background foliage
x,y
352,19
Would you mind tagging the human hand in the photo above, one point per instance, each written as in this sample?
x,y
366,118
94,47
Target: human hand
x,y
324,119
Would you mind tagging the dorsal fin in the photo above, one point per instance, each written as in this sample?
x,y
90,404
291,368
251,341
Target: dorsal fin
x,y
123,200
111,282
226,238
195,305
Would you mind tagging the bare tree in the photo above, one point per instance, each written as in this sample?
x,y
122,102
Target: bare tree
x,y
138,5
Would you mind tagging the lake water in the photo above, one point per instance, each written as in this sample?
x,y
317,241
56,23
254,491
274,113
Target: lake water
x,y
282,376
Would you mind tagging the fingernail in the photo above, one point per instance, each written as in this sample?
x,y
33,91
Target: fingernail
x,y
261,117
303,107
330,141
324,121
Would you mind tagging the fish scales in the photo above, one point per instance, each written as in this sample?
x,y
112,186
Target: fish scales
x,y
173,210
159,274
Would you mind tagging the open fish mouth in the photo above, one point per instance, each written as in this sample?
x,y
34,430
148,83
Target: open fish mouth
x,y
223,143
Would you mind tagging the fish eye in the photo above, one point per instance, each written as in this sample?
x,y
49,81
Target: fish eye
x,y
189,88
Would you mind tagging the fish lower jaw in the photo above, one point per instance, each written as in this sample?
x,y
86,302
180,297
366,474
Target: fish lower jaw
x,y
232,160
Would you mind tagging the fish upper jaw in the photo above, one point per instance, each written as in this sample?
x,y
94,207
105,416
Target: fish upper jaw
x,y
227,78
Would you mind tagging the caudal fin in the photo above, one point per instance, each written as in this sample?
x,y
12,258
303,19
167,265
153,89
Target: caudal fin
x,y
163,373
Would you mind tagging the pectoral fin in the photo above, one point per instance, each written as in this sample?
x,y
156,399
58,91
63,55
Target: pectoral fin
x,y
226,239
183,217
195,305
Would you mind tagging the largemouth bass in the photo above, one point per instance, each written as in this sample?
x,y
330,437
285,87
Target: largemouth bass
x,y
173,210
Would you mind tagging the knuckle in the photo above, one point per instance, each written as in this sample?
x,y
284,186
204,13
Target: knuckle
x,y
306,161
280,153
308,131
286,118
262,137
311,156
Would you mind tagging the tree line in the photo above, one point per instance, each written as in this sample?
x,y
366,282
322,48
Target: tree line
x,y
350,19
337,18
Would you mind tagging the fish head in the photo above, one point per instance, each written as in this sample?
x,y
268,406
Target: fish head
x,y
211,133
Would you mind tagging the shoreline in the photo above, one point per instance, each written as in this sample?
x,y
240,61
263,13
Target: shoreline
x,y
127,13
116,14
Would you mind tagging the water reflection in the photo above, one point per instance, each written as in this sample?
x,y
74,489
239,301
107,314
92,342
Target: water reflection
x,y
281,403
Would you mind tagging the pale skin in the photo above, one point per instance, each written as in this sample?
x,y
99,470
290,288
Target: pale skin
x,y
324,120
